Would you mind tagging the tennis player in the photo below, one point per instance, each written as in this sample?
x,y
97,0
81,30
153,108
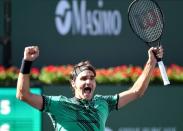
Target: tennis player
x,y
84,111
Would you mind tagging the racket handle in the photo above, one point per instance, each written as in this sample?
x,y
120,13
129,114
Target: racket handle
x,y
163,73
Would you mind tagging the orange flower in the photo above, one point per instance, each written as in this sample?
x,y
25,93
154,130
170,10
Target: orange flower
x,y
50,68
65,70
2,73
35,71
2,70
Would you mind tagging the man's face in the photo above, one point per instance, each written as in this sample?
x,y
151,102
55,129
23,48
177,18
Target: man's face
x,y
84,85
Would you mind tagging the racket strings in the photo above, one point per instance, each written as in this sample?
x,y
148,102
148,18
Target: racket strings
x,y
146,20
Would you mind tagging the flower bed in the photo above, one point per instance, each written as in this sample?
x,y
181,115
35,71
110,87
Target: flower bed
x,y
114,75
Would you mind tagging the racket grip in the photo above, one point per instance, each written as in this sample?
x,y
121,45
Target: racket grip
x,y
163,73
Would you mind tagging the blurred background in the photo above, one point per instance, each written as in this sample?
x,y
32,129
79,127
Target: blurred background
x,y
68,31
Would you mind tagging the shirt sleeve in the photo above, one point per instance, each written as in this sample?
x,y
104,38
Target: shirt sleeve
x,y
50,103
112,101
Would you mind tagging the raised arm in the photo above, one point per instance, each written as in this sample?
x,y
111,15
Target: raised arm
x,y
23,92
140,86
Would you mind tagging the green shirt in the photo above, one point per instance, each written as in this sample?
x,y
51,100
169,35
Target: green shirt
x,y
71,114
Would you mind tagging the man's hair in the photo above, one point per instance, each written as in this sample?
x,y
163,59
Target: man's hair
x,y
81,66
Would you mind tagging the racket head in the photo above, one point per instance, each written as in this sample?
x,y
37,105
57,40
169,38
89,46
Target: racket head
x,y
146,20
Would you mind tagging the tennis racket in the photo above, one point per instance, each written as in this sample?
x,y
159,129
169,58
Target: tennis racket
x,y
146,20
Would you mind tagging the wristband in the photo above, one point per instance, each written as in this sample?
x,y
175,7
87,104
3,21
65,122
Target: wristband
x,y
25,67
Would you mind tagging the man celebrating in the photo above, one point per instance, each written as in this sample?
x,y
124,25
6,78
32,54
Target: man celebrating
x,y
85,111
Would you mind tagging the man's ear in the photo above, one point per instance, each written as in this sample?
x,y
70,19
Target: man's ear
x,y
73,83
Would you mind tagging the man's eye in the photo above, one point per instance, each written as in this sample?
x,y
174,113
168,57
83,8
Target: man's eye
x,y
83,78
91,78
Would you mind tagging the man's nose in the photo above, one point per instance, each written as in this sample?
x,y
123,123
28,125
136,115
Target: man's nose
x,y
88,81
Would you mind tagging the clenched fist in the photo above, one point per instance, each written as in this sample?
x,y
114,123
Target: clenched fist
x,y
31,53
158,51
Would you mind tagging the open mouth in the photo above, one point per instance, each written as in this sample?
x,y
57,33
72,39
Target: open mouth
x,y
87,90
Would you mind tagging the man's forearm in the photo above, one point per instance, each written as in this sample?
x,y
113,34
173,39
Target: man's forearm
x,y
23,86
142,82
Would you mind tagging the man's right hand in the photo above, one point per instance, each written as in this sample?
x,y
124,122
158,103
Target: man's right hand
x,y
31,53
